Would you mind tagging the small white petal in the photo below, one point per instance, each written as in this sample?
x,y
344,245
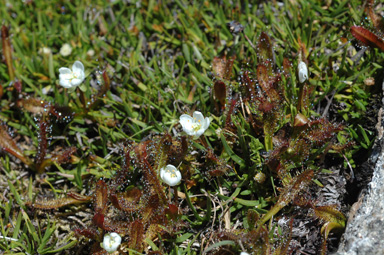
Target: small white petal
x,y
78,67
303,72
72,78
244,253
65,50
198,116
65,83
111,242
170,175
199,133
65,70
206,123
196,125
186,122
76,82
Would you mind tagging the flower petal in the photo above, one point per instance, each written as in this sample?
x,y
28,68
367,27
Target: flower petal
x,y
170,175
65,70
205,124
303,72
111,242
198,117
171,168
199,132
78,67
65,83
76,82
186,122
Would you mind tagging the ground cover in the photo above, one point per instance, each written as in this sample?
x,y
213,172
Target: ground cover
x,y
291,98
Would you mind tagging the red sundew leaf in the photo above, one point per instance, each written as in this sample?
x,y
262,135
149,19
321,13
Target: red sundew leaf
x,y
1,91
7,51
49,204
249,86
136,235
287,65
228,120
377,20
98,220
265,55
172,211
8,145
107,84
220,91
267,83
43,144
127,201
222,67
148,172
330,214
367,38
59,157
34,105
122,174
18,86
91,233
101,197
79,197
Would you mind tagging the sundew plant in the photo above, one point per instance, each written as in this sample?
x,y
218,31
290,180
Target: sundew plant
x,y
185,127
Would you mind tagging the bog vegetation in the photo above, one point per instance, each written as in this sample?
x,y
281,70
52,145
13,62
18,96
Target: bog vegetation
x,y
281,94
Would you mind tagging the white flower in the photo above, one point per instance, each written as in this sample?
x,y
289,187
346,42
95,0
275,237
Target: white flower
x,y
111,242
90,53
260,177
170,175
303,72
45,51
195,125
244,253
72,78
65,50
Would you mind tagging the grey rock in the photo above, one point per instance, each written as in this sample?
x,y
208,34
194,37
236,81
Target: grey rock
x,y
364,234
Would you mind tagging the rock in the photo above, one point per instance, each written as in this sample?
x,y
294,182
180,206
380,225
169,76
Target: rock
x,y
364,234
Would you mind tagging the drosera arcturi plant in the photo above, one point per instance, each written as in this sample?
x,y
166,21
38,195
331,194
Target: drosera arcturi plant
x,y
295,141
138,209
231,168
46,114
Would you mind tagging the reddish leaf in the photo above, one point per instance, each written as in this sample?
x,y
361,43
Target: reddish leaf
x,y
7,51
79,197
89,233
18,86
43,144
34,105
49,204
98,220
377,20
249,86
222,67
8,145
220,90
148,172
101,196
59,157
367,38
127,201
265,55
136,236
